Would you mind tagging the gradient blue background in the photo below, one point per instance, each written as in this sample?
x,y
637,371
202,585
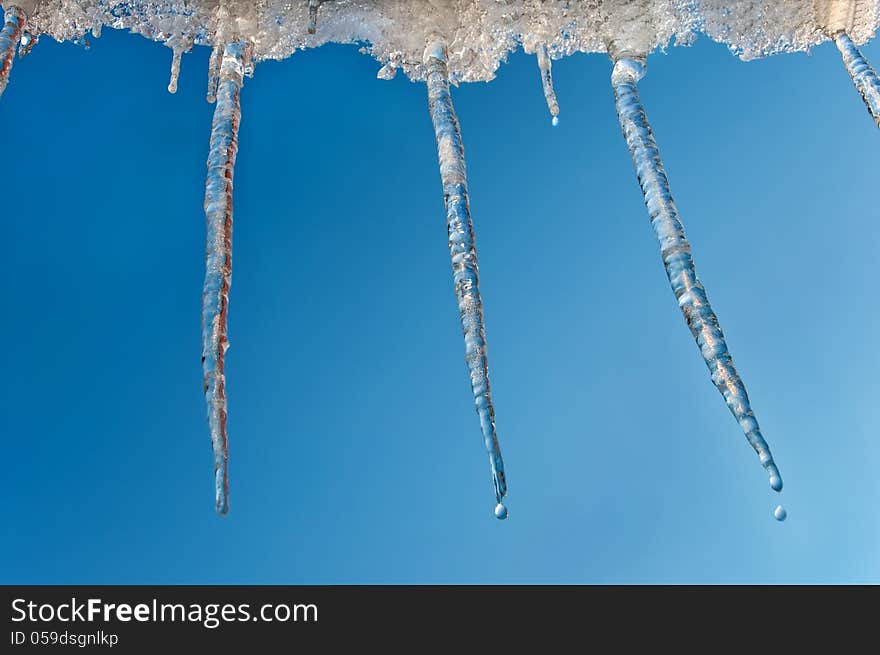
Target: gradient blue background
x,y
355,451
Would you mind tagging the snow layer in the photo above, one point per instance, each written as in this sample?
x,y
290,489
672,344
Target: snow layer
x,y
479,33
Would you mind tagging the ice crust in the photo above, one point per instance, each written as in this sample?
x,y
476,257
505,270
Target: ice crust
x,y
479,33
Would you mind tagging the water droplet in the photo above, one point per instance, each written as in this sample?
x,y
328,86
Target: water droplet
x,y
555,121
779,513
775,482
501,512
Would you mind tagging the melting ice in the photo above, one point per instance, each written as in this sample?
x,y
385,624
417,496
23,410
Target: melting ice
x,y
444,43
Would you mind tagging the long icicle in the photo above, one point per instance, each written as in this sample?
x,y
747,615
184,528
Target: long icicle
x,y
676,253
863,76
218,273
13,22
464,256
546,68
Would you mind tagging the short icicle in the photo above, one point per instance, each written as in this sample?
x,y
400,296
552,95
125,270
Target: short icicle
x,y
214,72
13,22
312,26
175,68
676,254
218,274
27,43
863,76
464,257
546,68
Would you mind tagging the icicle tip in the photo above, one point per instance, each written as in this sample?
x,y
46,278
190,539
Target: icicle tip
x,y
221,492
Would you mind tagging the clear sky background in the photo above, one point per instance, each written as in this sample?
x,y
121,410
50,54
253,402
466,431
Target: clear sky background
x,y
356,455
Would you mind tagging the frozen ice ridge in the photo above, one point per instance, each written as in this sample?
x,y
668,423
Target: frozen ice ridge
x,y
444,43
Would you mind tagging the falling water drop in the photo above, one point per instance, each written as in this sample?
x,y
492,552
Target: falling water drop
x,y
779,513
554,121
501,512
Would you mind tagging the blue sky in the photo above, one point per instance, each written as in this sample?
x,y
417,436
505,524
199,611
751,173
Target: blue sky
x,y
356,454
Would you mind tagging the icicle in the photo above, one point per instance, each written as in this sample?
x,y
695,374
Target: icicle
x,y
464,257
546,68
175,68
387,72
863,76
214,71
13,22
218,275
313,15
27,43
676,253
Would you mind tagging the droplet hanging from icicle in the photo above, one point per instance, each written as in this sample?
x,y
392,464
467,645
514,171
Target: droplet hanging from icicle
x,y
676,253
218,264
546,68
465,271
